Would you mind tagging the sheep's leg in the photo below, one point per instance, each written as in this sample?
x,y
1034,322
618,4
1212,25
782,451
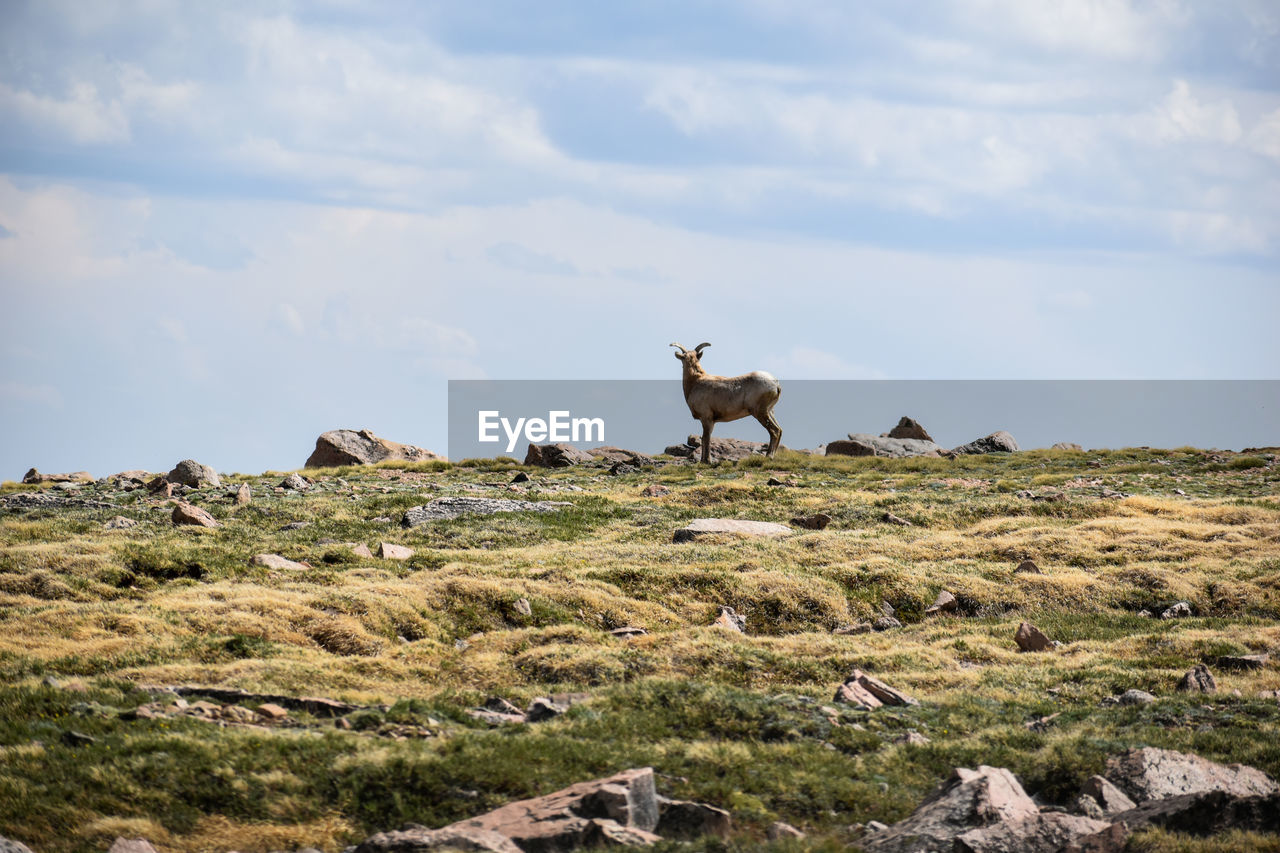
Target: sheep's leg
x,y
775,432
706,441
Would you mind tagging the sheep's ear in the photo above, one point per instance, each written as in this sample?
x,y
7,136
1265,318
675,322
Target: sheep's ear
x,y
699,348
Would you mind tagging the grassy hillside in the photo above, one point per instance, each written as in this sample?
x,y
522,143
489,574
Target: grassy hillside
x,y
90,616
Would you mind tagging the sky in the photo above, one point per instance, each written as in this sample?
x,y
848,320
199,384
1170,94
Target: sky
x,y
228,227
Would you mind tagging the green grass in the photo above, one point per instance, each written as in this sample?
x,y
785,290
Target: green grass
x,y
741,721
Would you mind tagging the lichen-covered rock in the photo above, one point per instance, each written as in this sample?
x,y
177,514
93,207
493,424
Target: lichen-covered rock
x,y
1152,774
452,507
997,442
351,447
191,473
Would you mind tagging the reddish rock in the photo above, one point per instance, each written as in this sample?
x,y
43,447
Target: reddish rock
x,y
910,428
1198,680
275,561
194,515
944,603
389,551
349,447
555,456
244,495
654,490
1031,639
34,476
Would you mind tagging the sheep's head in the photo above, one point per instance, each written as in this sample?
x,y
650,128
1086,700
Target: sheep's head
x,y
690,357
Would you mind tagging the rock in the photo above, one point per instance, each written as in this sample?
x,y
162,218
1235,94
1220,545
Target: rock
x,y
722,449
730,619
296,482
780,482
616,456
362,550
1207,813
893,448
1049,832
1027,567
779,830
389,551
620,809
452,507
275,561
523,607
349,447
1066,445
34,476
555,456
272,711
853,628
520,477
8,845
886,608
890,518
841,447
997,442
968,799
1198,680
1031,639
188,514
853,693
944,603
419,839
191,473
730,526
71,737
244,495
1149,773
628,631
120,523
884,623
909,428
131,845
1110,799
911,738
1176,611
1238,662
818,521
654,490
688,820
1136,697
1088,807
544,708
877,688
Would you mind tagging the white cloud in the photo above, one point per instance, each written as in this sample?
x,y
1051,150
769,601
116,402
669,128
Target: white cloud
x,y
83,115
1181,115
1265,136
806,362
287,319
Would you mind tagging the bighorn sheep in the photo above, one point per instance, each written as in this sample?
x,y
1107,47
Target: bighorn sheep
x,y
716,399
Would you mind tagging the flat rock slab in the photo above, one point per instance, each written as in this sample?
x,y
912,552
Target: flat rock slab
x,y
453,507
275,561
737,527
1153,774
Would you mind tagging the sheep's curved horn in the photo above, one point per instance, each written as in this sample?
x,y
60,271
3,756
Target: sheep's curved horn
x,y
677,346
699,348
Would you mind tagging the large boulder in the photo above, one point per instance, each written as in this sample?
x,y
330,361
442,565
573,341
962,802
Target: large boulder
x,y
841,447
351,447
1153,774
35,477
556,455
1207,813
997,442
620,809
614,455
191,473
722,449
909,428
891,447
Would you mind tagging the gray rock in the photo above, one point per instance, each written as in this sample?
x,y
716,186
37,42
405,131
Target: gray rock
x,y
1198,680
8,845
120,523
817,521
1136,697
1087,806
1238,662
890,518
391,551
191,473
1066,445
1048,832
131,845
1151,774
730,526
544,708
420,840
296,482
1176,611
722,449
275,561
884,623
1110,799
349,447
523,607
244,495
729,618
1207,813
779,830
34,476
944,603
997,442
687,820
556,455
453,507
894,448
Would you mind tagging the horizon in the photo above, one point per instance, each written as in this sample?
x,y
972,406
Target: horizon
x,y
225,230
